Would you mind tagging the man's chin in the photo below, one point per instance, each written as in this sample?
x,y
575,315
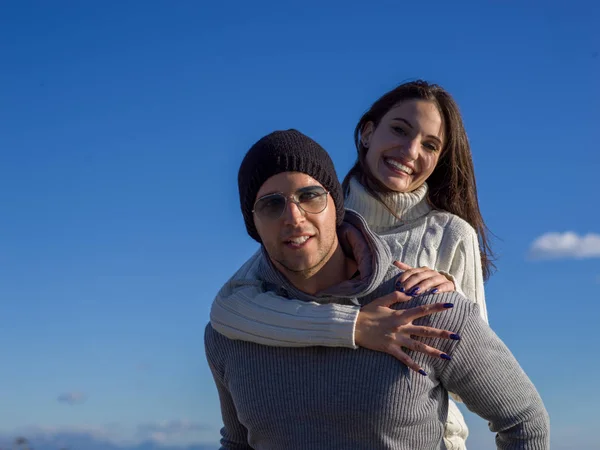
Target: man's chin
x,y
297,267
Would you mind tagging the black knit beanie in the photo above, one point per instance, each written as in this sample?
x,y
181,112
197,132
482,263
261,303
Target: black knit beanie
x,y
285,151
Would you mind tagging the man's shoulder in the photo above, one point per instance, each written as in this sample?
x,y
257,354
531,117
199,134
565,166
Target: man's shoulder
x,y
246,278
213,340
249,272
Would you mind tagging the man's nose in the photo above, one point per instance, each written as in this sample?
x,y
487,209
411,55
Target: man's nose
x,y
293,214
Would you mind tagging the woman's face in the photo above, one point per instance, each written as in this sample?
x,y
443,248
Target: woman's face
x,y
405,147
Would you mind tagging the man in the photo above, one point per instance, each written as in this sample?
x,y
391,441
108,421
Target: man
x,y
339,398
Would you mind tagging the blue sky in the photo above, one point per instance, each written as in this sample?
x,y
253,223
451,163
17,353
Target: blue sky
x,y
122,125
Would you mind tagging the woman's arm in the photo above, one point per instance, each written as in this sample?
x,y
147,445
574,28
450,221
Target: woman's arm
x,y
466,270
245,311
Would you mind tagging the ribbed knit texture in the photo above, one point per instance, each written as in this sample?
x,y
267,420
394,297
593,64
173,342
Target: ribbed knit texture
x,y
338,398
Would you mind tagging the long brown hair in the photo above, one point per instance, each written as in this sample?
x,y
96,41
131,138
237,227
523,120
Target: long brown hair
x,y
452,185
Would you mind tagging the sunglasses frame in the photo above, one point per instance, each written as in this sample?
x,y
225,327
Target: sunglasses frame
x,y
290,198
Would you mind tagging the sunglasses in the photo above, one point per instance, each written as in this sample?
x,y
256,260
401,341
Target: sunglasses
x,y
311,199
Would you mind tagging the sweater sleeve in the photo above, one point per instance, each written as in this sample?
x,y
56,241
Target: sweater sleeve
x,y
244,310
466,271
234,435
493,385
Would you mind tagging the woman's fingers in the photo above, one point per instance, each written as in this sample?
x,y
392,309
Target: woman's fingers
x,y
420,347
446,286
399,354
424,310
404,276
425,285
424,281
388,300
430,332
402,266
391,331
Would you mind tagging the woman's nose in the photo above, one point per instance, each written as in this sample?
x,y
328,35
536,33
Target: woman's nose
x,y
412,148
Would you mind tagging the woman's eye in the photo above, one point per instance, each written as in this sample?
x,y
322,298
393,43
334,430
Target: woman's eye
x,y
399,130
431,147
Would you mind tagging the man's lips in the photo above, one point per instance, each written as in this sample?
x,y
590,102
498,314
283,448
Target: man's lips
x,y
297,240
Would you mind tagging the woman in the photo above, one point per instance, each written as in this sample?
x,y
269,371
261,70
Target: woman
x,y
414,183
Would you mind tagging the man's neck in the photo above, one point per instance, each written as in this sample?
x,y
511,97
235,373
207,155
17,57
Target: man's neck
x,y
337,269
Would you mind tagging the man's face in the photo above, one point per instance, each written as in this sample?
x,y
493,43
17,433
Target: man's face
x,y
298,242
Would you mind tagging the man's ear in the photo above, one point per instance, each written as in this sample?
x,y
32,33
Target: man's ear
x,y
366,134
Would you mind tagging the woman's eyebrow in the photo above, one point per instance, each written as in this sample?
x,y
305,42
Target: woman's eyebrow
x,y
408,124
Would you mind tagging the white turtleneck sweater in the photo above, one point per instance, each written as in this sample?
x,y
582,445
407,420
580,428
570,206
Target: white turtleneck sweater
x,y
421,236
418,236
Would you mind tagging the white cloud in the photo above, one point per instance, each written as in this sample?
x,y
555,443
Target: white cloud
x,y
566,245
72,398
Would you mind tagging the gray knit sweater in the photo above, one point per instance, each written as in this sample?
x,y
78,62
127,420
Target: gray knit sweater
x,y
341,398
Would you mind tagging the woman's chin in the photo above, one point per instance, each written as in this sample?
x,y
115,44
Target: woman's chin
x,y
395,183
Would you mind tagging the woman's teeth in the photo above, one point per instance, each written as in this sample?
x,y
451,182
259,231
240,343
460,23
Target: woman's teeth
x,y
398,166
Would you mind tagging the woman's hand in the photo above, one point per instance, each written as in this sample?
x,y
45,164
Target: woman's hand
x,y
416,281
381,328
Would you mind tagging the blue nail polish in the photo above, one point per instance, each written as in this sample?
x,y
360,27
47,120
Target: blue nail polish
x,y
448,305
446,357
399,287
434,291
422,372
455,337
413,291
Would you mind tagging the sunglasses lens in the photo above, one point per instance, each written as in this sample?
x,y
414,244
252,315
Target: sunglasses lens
x,y
314,200
270,207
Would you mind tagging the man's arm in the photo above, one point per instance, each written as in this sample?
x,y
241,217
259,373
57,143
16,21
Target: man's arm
x,y
234,435
493,385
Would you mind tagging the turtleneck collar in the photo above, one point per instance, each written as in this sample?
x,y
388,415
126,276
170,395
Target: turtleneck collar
x,y
407,206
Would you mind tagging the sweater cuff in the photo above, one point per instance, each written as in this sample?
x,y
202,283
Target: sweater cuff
x,y
343,327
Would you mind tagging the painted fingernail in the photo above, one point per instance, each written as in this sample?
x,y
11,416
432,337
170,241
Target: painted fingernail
x,y
455,337
422,372
434,291
448,305
446,357
414,291
399,287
